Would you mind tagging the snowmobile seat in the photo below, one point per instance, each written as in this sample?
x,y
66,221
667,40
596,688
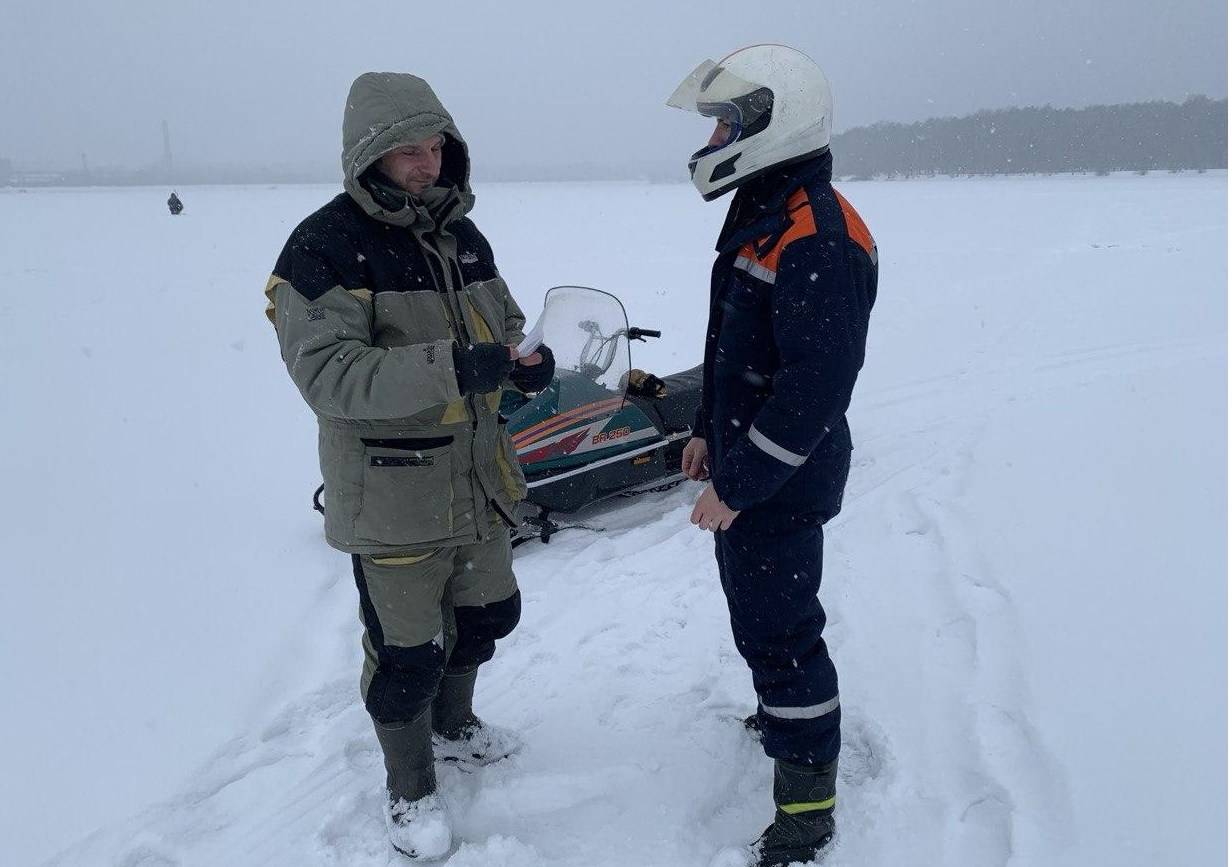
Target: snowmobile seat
x,y
678,408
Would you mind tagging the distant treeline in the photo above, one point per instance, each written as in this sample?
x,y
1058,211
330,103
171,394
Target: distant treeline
x,y
1138,136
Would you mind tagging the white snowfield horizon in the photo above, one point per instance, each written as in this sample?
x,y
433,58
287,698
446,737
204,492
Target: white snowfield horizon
x,y
1026,588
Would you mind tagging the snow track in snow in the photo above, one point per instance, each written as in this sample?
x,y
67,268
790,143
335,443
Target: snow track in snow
x,y
622,679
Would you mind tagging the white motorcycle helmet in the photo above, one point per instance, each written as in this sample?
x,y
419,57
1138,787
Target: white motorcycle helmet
x,y
778,104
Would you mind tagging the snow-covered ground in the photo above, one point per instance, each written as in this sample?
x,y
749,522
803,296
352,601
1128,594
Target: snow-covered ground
x,y
1027,586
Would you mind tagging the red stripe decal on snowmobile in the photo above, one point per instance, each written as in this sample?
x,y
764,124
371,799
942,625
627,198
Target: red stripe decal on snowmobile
x,y
556,422
558,449
577,412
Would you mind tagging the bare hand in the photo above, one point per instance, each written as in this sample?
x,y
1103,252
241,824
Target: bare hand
x,y
695,461
711,513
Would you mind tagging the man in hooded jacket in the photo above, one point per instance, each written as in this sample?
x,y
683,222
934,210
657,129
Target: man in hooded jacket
x,y
398,330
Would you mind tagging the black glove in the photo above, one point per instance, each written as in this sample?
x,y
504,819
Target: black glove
x,y
645,384
531,378
481,368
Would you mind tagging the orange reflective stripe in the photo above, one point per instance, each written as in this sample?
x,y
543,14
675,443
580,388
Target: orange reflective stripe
x,y
802,226
856,229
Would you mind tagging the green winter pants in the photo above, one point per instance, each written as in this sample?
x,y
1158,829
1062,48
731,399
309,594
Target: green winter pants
x,y
426,612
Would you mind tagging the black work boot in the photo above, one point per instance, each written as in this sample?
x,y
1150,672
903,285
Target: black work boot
x,y
459,736
414,813
803,815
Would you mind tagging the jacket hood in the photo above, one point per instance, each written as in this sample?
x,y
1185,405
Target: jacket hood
x,y
386,110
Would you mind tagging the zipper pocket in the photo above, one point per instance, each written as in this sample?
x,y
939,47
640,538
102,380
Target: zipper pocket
x,y
408,445
408,461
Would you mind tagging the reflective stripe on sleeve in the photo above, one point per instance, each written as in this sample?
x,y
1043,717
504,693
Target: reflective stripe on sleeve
x,y
761,272
775,450
811,712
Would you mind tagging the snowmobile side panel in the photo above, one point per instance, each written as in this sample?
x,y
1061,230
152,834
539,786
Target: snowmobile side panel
x,y
590,432
571,490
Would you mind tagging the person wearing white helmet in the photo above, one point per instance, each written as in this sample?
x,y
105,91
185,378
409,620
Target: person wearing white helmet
x,y
773,105
790,298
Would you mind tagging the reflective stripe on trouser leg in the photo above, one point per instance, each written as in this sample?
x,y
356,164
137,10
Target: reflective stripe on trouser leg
x,y
807,806
811,711
771,574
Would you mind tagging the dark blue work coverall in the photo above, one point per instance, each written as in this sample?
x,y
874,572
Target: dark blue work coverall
x,y
791,293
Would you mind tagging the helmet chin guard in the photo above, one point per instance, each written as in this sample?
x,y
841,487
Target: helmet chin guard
x,y
779,106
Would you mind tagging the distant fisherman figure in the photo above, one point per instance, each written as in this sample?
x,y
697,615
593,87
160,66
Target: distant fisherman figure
x,y
790,295
400,334
174,204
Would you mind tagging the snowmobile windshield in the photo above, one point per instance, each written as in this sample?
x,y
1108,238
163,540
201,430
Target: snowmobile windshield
x,y
589,335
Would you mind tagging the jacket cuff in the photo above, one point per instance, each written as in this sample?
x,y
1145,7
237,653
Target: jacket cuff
x,y
749,475
728,495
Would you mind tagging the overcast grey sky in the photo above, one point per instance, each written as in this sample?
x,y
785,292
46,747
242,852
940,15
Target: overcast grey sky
x,y
540,83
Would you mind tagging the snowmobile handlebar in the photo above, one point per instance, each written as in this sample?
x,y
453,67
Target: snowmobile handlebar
x,y
599,351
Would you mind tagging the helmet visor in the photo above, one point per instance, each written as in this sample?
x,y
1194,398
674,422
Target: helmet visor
x,y
685,95
712,91
709,84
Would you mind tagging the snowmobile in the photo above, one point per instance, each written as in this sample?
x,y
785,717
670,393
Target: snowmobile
x,y
601,429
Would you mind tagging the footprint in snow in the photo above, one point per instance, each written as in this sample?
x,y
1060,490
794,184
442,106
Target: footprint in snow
x,y
866,751
148,852
361,753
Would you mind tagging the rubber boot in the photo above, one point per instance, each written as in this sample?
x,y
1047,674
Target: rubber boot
x,y
452,712
803,815
414,813
459,736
